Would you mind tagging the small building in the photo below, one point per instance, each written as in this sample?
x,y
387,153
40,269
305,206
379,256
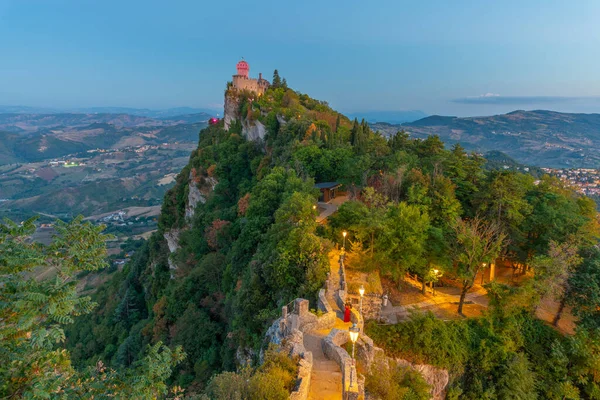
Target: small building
x,y
328,190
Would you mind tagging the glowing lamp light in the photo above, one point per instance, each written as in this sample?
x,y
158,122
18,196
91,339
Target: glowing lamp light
x,y
354,331
344,233
436,271
361,290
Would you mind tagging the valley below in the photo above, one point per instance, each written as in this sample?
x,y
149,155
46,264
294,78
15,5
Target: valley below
x,y
111,168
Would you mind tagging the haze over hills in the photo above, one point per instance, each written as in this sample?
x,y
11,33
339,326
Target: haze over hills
x,y
36,137
392,117
540,138
145,112
64,164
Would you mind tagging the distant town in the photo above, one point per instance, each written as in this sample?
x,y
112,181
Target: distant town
x,y
584,180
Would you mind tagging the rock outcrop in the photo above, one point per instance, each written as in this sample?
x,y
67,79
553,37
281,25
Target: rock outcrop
x,y
231,109
194,196
437,378
254,130
172,238
251,129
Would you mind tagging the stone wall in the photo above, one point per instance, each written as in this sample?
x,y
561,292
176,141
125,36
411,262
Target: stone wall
x,y
371,304
323,305
292,343
332,349
242,82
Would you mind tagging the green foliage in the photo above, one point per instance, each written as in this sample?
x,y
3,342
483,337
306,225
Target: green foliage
x,y
273,380
253,246
33,313
510,357
390,381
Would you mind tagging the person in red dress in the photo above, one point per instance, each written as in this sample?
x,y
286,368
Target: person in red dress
x,y
347,312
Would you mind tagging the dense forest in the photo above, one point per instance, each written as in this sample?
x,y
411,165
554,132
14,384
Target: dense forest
x,y
254,245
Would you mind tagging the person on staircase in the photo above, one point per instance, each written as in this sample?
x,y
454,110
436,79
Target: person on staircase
x,y
347,312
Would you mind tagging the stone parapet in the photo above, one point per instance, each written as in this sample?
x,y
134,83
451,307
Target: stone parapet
x,y
332,349
323,304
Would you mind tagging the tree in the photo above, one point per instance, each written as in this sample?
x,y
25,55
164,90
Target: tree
x,y
376,205
355,134
399,141
276,80
503,200
34,311
476,242
584,293
552,273
406,231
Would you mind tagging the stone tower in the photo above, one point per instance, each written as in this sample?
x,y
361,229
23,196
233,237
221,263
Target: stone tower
x,y
243,68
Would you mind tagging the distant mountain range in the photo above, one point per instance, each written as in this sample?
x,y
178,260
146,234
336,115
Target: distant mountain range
x,y
35,137
144,112
540,138
391,117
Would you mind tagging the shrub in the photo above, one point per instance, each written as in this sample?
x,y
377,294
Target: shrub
x,y
390,381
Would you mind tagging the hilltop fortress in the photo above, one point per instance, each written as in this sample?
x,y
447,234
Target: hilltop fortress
x,y
242,81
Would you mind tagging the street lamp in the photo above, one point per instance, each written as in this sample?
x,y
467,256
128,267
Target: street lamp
x,y
344,234
435,275
354,331
362,292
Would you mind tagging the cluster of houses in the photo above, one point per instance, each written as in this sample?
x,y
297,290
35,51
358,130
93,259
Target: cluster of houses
x,y
585,180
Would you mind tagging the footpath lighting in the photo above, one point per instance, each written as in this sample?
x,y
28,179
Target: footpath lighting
x,y
435,276
362,293
484,265
344,245
354,331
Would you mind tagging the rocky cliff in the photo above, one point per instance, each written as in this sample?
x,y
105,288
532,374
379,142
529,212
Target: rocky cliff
x,y
252,129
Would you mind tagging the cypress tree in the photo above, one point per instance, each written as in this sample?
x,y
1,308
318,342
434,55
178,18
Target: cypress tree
x,y
337,123
354,135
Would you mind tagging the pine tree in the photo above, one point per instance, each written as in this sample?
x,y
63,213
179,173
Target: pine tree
x,y
284,84
276,80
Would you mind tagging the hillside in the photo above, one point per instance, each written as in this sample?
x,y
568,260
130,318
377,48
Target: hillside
x,y
36,137
540,138
238,239
63,165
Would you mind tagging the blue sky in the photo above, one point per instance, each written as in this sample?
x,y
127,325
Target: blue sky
x,y
454,57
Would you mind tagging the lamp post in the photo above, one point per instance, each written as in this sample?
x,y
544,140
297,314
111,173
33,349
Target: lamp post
x,y
484,265
353,337
362,292
435,274
344,245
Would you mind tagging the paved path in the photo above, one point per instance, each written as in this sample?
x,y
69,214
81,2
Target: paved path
x,y
329,208
326,376
402,312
